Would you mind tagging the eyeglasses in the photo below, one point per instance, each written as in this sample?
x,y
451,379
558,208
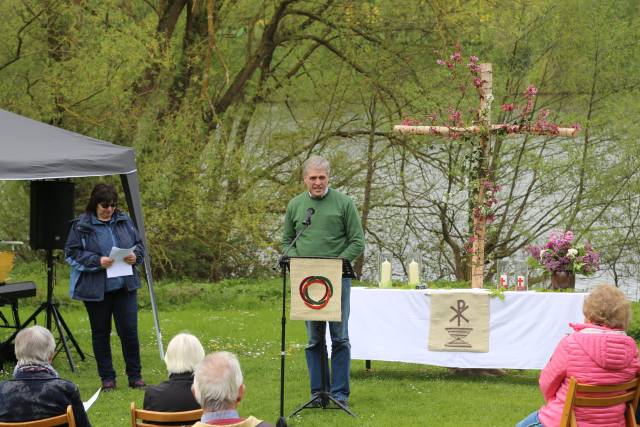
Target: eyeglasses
x,y
106,205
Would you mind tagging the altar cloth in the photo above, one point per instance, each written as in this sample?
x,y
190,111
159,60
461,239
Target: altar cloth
x,y
524,328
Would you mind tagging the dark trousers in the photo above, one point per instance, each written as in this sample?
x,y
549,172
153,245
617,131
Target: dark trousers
x,y
122,305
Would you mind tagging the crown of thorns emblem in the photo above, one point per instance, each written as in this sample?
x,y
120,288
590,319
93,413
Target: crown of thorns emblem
x,y
314,304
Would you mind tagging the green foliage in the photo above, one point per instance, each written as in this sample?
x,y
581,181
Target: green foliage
x,y
235,294
634,325
449,284
14,208
222,121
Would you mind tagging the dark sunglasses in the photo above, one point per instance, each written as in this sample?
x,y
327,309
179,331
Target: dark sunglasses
x,y
106,205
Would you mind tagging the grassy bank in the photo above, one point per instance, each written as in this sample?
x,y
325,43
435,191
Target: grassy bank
x,y
243,316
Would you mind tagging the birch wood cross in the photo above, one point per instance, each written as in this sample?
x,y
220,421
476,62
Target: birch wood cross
x,y
485,129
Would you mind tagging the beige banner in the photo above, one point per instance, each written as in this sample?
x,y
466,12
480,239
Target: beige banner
x,y
459,322
316,289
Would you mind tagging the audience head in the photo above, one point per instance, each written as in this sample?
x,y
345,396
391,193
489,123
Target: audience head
x,y
217,383
607,306
34,345
184,352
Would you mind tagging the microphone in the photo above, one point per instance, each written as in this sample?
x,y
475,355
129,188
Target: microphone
x,y
307,220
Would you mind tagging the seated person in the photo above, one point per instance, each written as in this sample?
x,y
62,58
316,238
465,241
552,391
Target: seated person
x,y
597,352
218,387
36,391
184,352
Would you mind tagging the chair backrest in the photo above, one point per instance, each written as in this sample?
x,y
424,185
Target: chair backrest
x,y
59,420
144,418
589,395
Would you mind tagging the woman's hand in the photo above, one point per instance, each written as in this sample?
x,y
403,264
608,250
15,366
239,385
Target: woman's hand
x,y
130,259
106,262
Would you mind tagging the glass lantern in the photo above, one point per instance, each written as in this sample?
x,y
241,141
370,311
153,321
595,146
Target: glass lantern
x,y
520,274
503,273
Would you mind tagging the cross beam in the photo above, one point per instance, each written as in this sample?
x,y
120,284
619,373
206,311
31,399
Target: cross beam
x,y
493,129
483,172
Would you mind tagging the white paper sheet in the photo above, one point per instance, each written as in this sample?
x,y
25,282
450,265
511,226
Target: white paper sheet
x,y
119,267
91,400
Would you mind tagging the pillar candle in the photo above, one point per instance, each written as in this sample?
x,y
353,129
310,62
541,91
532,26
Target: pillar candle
x,y
385,274
414,273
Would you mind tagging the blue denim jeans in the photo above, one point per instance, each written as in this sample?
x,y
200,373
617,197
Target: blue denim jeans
x,y
531,421
337,381
122,306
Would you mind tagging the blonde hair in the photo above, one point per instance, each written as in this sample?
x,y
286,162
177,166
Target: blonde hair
x,y
607,306
184,352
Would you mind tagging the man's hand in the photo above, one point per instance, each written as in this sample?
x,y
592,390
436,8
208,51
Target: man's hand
x,y
106,262
284,261
130,259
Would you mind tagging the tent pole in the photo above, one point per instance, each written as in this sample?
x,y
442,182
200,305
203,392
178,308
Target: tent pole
x,y
132,193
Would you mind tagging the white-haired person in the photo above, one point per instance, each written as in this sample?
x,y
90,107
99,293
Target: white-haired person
x,y
219,389
36,391
184,352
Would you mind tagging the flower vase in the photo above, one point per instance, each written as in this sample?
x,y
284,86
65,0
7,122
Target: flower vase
x,y
563,280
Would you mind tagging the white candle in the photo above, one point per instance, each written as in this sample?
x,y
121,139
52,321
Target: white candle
x,y
385,274
414,273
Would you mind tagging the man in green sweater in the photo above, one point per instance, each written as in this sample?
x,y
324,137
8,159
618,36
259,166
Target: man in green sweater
x,y
335,231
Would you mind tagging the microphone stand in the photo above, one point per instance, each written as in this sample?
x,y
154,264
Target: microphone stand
x,y
283,262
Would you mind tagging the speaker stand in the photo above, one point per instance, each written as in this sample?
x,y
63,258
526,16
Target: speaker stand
x,y
322,399
52,311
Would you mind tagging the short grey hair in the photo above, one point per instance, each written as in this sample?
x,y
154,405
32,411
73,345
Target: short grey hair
x,y
34,345
315,162
217,381
184,352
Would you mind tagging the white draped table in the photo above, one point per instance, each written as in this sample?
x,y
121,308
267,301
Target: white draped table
x,y
524,328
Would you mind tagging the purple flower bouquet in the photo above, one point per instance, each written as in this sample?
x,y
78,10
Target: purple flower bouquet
x,y
561,254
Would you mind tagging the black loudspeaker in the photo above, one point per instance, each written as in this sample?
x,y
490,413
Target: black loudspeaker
x,y
52,204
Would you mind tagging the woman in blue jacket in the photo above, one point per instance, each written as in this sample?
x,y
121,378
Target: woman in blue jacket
x,y
92,235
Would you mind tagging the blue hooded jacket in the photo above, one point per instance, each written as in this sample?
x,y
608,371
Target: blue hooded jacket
x,y
82,251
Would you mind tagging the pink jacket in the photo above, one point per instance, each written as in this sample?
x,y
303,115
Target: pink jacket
x,y
594,355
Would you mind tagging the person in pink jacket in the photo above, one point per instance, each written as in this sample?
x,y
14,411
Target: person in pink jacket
x,y
597,352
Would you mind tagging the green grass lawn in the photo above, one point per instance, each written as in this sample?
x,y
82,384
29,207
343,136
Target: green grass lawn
x,y
243,316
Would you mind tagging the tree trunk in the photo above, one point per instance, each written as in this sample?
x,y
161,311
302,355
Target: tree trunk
x,y
368,183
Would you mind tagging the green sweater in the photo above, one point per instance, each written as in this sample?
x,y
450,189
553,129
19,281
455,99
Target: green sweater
x,y
335,229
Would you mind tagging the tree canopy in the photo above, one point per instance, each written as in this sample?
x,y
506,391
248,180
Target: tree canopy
x,y
223,100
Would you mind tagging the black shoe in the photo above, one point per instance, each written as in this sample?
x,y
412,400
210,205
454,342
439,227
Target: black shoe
x,y
137,384
316,401
108,385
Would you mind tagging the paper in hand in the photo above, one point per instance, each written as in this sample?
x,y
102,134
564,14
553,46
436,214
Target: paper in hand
x,y
119,267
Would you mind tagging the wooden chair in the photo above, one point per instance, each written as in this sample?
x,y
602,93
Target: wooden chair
x,y
58,420
144,418
605,395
